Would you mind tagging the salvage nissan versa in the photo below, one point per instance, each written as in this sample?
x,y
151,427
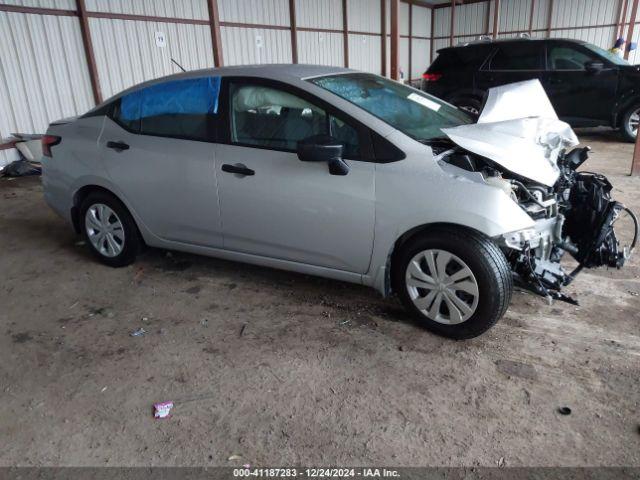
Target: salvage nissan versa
x,y
341,174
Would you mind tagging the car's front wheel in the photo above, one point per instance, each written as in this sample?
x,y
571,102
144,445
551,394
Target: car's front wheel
x,y
630,122
456,282
109,230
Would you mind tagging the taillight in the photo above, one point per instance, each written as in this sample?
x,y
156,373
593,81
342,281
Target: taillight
x,y
49,141
431,77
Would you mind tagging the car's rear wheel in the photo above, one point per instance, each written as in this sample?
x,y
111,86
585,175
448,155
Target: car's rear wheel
x,y
109,230
456,282
630,122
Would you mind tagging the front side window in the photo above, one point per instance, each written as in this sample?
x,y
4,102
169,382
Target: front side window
x,y
567,58
272,118
414,113
180,108
519,56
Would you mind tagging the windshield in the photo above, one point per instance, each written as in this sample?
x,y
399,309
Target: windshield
x,y
612,57
414,113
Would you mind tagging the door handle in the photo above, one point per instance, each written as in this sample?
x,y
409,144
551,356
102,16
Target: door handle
x,y
117,146
237,168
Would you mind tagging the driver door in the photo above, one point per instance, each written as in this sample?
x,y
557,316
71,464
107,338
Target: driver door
x,y
579,96
276,206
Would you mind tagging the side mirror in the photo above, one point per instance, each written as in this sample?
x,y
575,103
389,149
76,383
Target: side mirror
x,y
594,66
323,148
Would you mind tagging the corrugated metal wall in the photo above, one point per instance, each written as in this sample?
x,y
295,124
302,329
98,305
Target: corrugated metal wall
x,y
120,66
43,74
35,89
590,20
194,9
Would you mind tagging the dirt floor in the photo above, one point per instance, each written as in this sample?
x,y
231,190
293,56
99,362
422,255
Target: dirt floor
x,y
272,368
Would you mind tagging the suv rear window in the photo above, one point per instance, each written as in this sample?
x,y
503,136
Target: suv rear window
x,y
453,58
517,56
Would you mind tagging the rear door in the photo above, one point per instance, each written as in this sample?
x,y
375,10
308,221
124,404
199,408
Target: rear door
x,y
157,148
512,62
579,96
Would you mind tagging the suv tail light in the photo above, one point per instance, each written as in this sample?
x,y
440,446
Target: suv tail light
x,y
431,77
49,141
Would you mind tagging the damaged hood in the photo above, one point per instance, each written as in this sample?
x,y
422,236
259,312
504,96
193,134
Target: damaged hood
x,y
519,130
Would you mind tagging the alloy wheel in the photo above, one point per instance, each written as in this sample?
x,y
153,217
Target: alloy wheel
x,y
442,286
634,121
104,230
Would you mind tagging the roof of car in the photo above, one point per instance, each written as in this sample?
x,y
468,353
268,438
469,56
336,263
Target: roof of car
x,y
490,42
282,72
274,71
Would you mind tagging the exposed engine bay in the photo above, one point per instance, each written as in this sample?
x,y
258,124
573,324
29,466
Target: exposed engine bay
x,y
529,159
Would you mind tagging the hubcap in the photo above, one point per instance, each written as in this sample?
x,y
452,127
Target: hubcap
x,y
442,286
634,121
104,230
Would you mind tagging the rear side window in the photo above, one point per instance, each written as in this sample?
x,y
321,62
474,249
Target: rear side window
x,y
186,109
520,56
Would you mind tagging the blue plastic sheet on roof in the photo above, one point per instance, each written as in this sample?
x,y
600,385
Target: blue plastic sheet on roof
x,y
190,96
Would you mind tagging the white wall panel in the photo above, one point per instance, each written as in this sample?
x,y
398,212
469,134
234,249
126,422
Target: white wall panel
x,y
577,13
321,48
403,53
420,57
365,53
404,18
194,9
421,22
541,14
438,44
266,12
60,4
514,16
43,73
364,15
442,22
319,14
471,19
120,66
245,46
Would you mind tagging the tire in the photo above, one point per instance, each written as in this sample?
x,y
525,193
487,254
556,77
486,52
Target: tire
x,y
470,105
121,244
487,266
626,127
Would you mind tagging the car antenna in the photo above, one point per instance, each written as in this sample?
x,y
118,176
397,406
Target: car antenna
x,y
181,67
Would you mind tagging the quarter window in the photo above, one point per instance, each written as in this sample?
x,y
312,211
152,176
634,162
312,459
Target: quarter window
x,y
181,108
566,58
272,118
517,57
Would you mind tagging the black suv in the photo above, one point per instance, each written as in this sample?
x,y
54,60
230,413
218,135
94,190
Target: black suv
x,y
588,86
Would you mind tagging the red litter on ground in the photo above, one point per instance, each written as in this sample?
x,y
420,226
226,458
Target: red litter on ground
x,y
162,410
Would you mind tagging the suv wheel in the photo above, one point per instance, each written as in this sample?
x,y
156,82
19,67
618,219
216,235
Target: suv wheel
x,y
470,105
630,122
109,230
457,283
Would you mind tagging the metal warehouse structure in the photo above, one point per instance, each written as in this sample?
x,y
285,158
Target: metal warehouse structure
x,y
60,57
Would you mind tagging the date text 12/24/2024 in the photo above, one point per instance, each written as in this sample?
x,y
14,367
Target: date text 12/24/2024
x,y
315,472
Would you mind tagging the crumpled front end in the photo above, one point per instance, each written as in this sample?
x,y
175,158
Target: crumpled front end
x,y
520,146
576,216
